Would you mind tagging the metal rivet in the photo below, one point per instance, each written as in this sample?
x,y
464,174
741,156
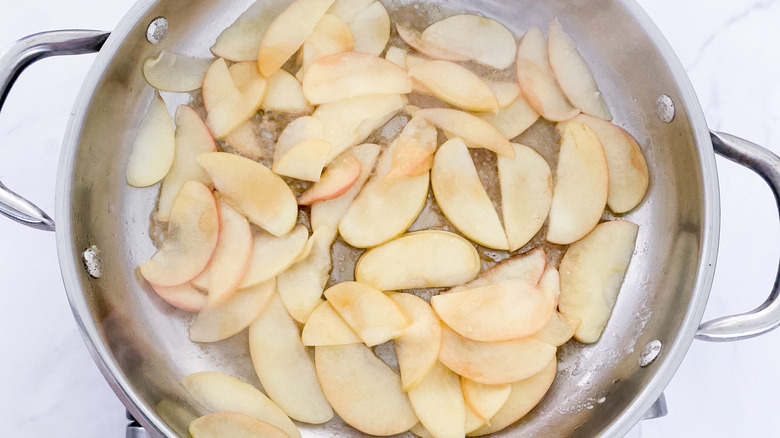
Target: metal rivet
x,y
157,30
665,108
92,261
650,353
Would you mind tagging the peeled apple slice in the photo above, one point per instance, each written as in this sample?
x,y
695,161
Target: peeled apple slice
x,y
235,314
175,72
438,402
241,40
326,327
480,39
371,29
484,400
476,132
454,85
153,148
417,349
233,424
231,257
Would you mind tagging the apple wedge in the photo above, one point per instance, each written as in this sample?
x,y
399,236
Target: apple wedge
x,y
526,194
217,84
193,230
285,95
371,29
175,72
330,36
371,314
628,173
304,161
287,32
484,400
219,392
438,402
462,198
514,119
223,424
454,85
241,40
506,92
235,314
580,193
363,390
592,271
417,349
573,74
480,39
296,132
523,397
397,56
192,138
494,363
347,10
231,257
529,267
551,281
420,431
154,146
272,255
473,422
558,330
414,149
423,259
326,327
274,208
284,367
335,181
352,74
413,39
239,103
537,80
476,132
184,297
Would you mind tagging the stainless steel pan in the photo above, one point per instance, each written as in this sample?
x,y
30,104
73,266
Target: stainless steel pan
x,y
140,344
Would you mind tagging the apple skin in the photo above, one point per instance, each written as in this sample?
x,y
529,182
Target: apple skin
x,y
335,181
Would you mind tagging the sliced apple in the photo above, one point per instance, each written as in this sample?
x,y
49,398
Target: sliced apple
x,y
248,141
551,281
231,257
480,39
193,230
413,39
296,132
484,400
326,327
592,271
274,208
420,431
192,138
417,349
580,193
524,396
222,424
414,149
628,174
526,194
241,40
219,392
462,198
537,80
529,267
558,330
184,297
217,84
514,119
347,10
330,36
239,104
244,73
363,390
476,132
304,161
438,402
371,314
573,74
175,72
385,208
154,146
397,56
371,29
506,92
454,85
494,363
473,422
285,94
272,255
287,32
418,260
235,314
284,367
337,179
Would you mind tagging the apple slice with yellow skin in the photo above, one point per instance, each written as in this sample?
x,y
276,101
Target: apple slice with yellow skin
x,y
438,402
352,74
274,208
285,95
371,29
414,148
217,84
326,327
219,392
494,363
480,39
330,36
417,349
184,297
514,119
592,271
537,80
363,390
287,32
413,39
628,174
231,257
296,132
462,198
241,40
371,314
484,400
235,314
192,138
154,146
510,309
558,330
573,74
476,132
284,367
337,179
304,161
523,397
526,194
506,92
175,72
222,424
581,187
193,231
454,85
423,259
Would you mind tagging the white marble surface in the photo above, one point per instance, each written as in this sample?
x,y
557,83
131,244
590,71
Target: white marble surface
x,y
49,385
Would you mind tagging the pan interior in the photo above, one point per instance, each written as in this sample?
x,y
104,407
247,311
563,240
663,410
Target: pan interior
x,y
141,343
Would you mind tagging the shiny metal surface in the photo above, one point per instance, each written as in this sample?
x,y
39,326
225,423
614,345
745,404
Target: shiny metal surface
x,y
13,60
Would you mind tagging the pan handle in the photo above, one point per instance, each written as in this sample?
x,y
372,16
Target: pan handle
x,y
13,60
767,316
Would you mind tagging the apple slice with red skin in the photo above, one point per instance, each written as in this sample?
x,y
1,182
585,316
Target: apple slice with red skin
x,y
414,149
231,257
335,181
184,297
153,148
